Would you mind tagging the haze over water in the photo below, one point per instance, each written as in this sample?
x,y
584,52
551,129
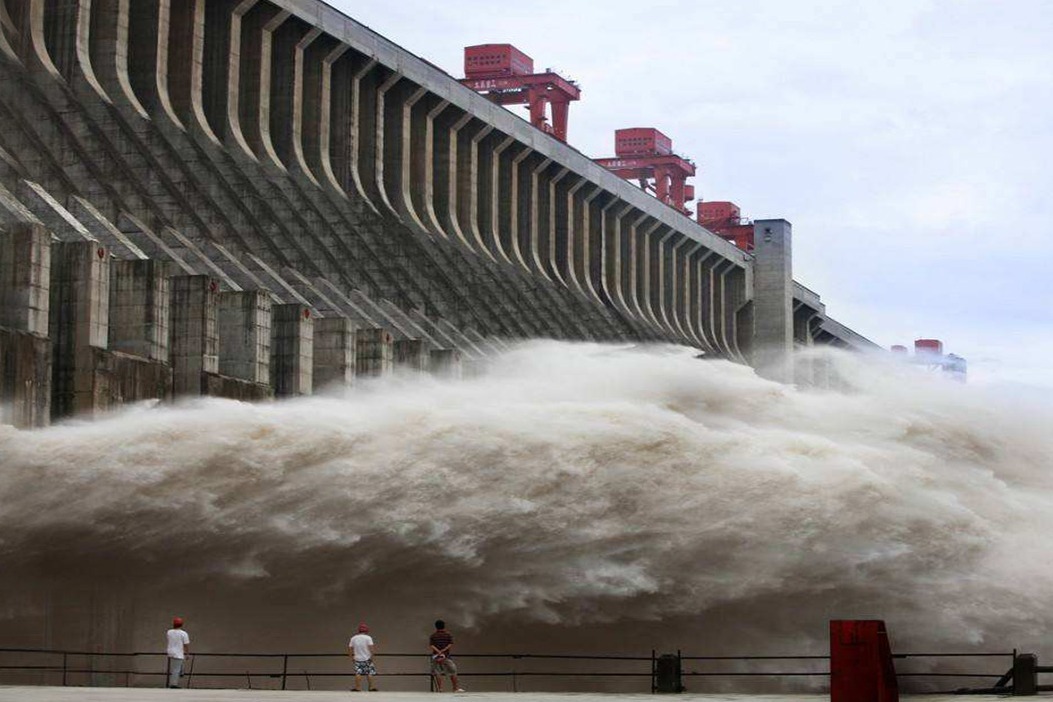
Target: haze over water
x,y
576,497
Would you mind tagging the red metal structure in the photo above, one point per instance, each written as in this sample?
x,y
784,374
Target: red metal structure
x,y
929,353
646,155
933,346
861,668
506,75
725,220
641,141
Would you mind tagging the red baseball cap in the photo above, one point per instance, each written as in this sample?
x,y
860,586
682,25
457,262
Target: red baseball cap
x,y
177,621
363,628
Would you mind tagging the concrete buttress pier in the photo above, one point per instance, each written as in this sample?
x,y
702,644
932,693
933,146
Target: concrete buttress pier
x,y
773,299
139,308
412,355
292,350
79,324
334,352
25,279
374,352
25,350
194,343
244,330
446,363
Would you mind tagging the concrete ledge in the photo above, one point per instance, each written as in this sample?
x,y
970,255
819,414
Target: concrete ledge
x,y
121,378
216,385
99,694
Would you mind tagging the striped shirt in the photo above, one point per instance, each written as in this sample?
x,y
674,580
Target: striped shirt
x,y
441,639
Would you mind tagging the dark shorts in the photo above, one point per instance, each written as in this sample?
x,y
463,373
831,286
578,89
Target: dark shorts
x,y
444,667
365,667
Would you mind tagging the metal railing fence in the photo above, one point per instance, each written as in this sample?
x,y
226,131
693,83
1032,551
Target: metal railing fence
x,y
281,668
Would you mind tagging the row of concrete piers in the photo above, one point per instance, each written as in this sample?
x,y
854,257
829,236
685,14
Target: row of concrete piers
x,y
82,332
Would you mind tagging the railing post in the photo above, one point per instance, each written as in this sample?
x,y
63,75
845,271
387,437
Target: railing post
x,y
65,657
1025,675
285,668
667,673
653,663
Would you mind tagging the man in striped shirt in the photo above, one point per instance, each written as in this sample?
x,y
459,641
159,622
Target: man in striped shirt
x,y
440,645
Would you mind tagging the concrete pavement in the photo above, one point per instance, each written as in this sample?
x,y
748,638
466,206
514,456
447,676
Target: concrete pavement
x,y
99,694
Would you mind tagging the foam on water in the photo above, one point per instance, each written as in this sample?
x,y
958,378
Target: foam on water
x,y
575,485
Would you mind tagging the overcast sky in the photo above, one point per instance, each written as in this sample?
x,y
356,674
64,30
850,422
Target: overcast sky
x,y
909,141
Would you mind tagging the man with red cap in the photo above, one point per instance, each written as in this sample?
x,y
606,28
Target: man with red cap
x,y
178,649
360,648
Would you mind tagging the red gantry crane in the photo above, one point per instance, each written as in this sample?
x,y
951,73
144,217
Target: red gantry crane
x,y
929,353
725,220
506,75
646,155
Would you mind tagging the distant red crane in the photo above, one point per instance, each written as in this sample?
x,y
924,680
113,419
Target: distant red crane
x,y
929,353
646,155
725,220
506,76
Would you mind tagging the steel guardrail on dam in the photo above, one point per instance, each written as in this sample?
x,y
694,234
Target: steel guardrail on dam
x,y
70,669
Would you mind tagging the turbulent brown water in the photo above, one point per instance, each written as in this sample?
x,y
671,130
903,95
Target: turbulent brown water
x,y
576,497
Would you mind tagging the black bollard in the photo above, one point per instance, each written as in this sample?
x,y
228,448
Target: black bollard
x,y
1025,675
667,674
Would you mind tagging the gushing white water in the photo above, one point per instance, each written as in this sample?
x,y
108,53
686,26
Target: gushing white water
x,y
601,489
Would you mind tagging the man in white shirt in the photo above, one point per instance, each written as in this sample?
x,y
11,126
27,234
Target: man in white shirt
x,y
178,649
360,648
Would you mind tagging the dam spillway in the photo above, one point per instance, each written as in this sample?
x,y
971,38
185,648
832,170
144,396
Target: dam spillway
x,y
233,197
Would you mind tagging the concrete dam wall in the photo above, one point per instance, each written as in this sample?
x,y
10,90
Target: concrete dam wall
x,y
252,198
